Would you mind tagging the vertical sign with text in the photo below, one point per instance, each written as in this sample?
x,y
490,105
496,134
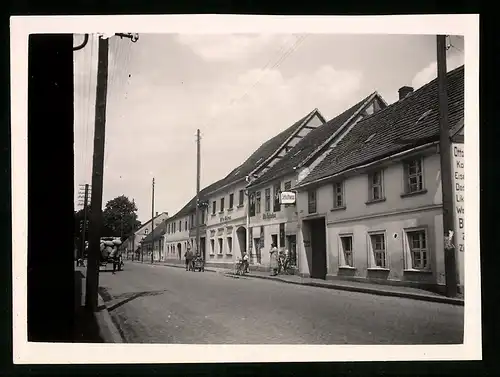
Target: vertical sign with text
x,y
458,177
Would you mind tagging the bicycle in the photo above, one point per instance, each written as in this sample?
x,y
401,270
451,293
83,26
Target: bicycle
x,y
240,267
285,267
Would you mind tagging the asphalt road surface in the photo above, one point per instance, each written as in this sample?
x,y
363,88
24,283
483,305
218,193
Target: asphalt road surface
x,y
158,304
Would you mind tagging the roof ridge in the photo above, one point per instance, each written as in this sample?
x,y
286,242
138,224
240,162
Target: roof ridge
x,y
397,127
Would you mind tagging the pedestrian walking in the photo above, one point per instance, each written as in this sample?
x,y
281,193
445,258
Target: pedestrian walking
x,y
273,256
245,262
189,258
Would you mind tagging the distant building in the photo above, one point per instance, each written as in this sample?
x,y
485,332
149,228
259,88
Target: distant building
x,y
133,242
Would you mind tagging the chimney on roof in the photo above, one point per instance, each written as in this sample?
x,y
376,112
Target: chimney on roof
x,y
156,213
404,91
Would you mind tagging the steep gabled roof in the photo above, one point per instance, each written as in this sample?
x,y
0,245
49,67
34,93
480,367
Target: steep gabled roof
x,y
408,123
147,222
310,143
264,152
157,232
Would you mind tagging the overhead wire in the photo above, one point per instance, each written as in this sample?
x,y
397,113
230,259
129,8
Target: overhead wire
x,y
283,56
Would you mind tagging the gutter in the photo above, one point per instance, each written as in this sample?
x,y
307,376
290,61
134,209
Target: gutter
x,y
400,154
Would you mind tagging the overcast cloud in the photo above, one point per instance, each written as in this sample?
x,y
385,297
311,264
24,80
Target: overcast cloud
x,y
240,90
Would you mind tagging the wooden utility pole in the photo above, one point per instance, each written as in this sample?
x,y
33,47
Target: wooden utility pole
x,y
84,227
152,219
92,278
446,178
198,243
133,233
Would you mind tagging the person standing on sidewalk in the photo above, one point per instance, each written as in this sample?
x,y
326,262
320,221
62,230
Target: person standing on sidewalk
x,y
273,256
189,258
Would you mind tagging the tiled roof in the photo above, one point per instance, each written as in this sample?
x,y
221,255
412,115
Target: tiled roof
x,y
309,143
408,123
261,154
239,173
157,232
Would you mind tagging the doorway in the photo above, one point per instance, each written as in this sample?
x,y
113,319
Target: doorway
x,y
257,246
317,229
179,251
291,244
274,239
241,234
203,247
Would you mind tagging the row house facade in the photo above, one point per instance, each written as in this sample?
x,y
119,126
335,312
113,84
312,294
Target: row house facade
x,y
227,229
176,238
154,242
274,222
371,207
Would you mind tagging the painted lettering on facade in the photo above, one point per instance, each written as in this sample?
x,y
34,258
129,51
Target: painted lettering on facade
x,y
225,218
268,216
458,158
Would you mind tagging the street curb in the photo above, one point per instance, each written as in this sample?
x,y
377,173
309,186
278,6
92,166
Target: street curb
x,y
171,265
413,296
107,329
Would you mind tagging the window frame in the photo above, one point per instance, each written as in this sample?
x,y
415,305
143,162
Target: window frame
x,y
340,184
312,204
408,176
241,198
371,250
371,186
408,254
342,259
214,207
258,202
229,241
267,200
220,245
277,191
222,200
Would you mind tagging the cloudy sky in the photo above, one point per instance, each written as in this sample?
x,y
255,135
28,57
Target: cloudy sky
x,y
239,90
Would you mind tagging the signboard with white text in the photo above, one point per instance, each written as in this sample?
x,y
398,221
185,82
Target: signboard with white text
x,y
287,197
458,179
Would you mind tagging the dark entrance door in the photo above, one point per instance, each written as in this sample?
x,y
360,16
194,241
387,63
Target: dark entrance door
x,y
203,248
318,247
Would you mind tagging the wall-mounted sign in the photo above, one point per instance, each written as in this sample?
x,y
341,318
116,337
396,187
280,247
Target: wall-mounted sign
x,y
225,218
267,216
458,158
287,197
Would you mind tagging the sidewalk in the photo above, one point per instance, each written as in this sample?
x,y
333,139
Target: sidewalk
x,y
92,327
351,286
180,265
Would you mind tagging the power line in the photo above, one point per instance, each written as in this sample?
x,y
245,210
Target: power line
x,y
280,60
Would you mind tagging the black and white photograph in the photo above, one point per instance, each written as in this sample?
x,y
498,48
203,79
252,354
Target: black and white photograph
x,y
268,183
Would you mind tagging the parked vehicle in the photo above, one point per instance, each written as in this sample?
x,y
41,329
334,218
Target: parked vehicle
x,y
110,253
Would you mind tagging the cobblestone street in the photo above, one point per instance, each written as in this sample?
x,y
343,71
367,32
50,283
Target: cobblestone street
x,y
158,304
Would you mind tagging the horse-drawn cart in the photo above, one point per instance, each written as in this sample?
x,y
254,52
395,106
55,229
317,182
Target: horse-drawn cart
x,y
110,253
